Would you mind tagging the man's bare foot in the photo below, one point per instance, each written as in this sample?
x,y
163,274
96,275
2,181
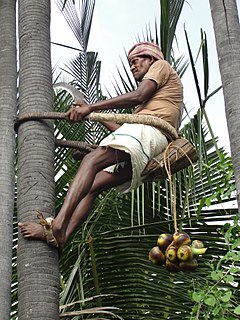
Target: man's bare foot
x,y
44,230
32,230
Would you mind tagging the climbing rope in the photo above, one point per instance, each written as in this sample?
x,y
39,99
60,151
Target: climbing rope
x,y
118,118
75,145
164,126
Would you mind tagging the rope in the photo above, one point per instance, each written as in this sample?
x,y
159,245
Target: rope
x,y
168,171
167,165
118,118
75,144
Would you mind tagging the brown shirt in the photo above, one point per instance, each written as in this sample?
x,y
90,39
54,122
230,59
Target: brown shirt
x,y
167,102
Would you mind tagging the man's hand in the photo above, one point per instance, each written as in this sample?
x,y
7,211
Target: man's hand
x,y
78,112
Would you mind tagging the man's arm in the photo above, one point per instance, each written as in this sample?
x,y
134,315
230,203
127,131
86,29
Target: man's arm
x,y
111,126
144,92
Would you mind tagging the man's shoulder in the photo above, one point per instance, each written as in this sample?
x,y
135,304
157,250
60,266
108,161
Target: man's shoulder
x,y
160,65
163,67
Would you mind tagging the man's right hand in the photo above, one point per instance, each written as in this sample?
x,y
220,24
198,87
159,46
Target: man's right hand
x,y
78,112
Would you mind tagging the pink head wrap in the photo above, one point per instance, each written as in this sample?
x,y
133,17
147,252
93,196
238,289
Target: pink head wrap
x,y
145,48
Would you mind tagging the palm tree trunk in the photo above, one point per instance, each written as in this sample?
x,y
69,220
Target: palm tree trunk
x,y
38,275
227,34
8,102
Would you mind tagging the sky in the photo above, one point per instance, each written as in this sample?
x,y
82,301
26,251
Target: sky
x,y
115,28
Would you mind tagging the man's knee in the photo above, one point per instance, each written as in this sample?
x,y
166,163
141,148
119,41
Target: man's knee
x,y
96,156
96,152
103,157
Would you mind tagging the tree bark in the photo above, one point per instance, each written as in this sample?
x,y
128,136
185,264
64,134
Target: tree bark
x,y
227,34
8,103
38,274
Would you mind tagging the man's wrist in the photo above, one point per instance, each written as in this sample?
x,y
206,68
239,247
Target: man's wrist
x,y
94,108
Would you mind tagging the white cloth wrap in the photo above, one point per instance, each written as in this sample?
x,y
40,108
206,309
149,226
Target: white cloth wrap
x,y
142,142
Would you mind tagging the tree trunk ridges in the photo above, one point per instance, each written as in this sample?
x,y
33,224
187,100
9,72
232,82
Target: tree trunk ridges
x,y
38,273
227,34
8,76
32,33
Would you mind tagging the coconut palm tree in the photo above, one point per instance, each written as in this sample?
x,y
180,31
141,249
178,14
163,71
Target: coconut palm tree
x,y
8,107
38,278
227,33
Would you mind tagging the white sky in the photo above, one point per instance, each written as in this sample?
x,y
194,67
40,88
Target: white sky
x,y
116,25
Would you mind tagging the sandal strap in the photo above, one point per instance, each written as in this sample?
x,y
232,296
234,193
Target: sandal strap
x,y
47,226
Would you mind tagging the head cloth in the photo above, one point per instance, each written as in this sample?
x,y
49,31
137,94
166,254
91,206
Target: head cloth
x,y
145,48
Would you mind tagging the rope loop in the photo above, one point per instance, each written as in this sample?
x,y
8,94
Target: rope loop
x,y
113,117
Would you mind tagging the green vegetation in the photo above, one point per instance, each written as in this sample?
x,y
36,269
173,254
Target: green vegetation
x,y
105,271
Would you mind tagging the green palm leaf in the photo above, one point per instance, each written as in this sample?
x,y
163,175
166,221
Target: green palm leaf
x,y
80,23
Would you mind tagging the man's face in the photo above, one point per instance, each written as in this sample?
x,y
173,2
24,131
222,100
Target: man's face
x,y
139,67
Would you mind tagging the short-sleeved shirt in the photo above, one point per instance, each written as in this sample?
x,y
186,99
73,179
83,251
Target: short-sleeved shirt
x,y
167,102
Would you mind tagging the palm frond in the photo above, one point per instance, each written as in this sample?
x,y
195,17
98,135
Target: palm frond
x,y
170,13
80,24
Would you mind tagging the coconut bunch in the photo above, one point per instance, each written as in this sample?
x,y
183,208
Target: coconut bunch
x,y
177,252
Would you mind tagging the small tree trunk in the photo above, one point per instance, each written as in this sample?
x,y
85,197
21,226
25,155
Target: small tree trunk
x,y
38,275
8,102
227,34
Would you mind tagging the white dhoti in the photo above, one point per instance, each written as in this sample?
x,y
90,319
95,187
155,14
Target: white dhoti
x,y
142,142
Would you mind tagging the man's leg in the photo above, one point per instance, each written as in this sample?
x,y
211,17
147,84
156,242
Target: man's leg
x,y
103,181
81,185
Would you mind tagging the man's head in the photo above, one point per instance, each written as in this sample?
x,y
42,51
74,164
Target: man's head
x,y
145,49
141,56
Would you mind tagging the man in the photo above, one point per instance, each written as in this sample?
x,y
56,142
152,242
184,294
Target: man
x,y
121,156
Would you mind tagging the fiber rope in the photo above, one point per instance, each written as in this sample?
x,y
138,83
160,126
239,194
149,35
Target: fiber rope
x,y
94,116
169,174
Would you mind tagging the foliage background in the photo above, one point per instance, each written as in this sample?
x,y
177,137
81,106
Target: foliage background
x,y
105,265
